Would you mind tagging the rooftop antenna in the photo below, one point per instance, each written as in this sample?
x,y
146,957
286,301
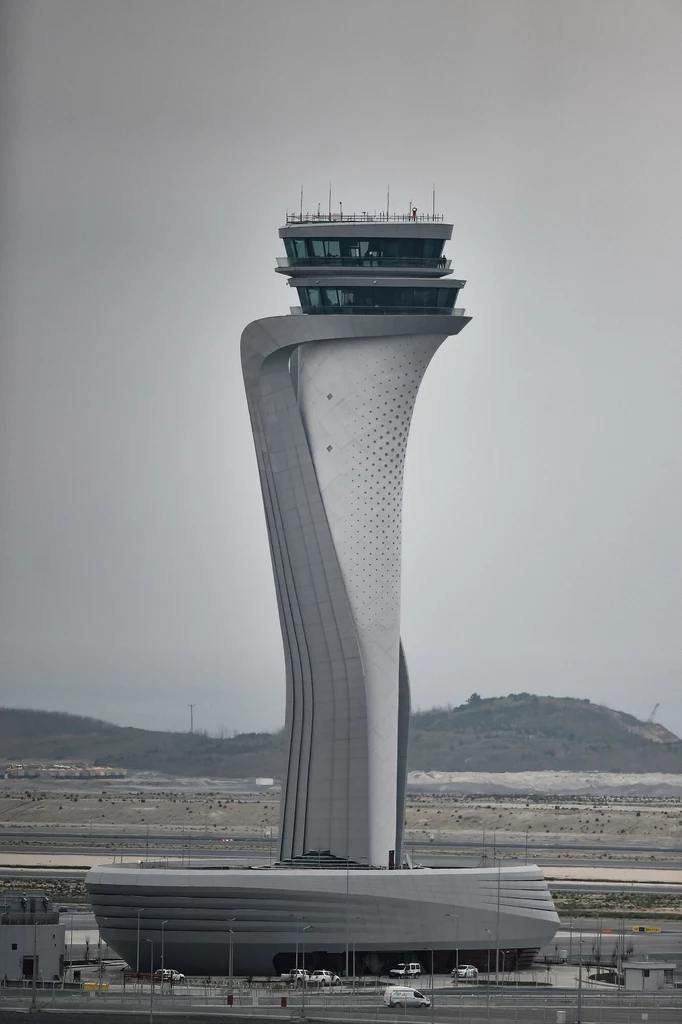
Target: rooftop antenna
x,y
340,210
301,202
434,201
330,200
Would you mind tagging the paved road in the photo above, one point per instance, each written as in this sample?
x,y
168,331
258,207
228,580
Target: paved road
x,y
251,852
526,1009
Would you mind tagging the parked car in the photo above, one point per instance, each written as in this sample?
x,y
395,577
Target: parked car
x,y
298,975
465,972
324,978
168,974
401,995
412,970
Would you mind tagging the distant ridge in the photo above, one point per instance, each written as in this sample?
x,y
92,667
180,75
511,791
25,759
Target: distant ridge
x,y
521,732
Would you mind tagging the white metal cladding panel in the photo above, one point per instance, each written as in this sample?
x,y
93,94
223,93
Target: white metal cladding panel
x,y
356,400
326,792
379,909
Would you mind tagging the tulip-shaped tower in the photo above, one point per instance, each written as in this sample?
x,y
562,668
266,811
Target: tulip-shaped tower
x,y
331,390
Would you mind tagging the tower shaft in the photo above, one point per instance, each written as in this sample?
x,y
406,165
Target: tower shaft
x,y
331,397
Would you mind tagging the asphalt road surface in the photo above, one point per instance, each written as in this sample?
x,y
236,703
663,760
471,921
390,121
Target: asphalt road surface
x,y
524,1010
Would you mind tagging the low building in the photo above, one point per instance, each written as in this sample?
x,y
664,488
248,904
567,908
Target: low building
x,y
649,975
32,941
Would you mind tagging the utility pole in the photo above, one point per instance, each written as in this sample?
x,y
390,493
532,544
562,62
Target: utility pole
x,y
497,926
191,718
35,962
151,987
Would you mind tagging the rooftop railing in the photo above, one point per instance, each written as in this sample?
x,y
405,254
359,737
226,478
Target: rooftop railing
x,y
439,263
364,218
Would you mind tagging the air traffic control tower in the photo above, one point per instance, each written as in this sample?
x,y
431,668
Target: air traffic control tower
x,y
331,391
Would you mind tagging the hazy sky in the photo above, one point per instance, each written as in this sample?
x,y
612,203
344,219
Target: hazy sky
x,y
149,151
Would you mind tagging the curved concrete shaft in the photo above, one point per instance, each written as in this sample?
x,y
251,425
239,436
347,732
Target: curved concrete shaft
x,y
330,400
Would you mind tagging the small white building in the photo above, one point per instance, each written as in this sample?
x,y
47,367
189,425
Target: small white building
x,y
648,975
32,941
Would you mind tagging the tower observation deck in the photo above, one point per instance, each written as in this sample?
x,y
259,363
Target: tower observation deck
x,y
331,391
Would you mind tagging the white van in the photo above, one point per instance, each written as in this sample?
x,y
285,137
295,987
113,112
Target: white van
x,y
400,995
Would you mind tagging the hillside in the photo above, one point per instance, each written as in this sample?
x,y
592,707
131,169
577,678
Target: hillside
x,y
520,732
57,736
523,732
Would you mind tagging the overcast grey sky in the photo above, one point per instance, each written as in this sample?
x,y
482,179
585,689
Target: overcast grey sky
x,y
149,151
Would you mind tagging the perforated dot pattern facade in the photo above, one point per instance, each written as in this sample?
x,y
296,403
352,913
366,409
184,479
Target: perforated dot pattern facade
x,y
356,399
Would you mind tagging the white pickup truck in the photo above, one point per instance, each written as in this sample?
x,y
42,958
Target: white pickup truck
x,y
297,975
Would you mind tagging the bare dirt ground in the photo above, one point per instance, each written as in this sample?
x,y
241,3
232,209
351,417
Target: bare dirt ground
x,y
430,818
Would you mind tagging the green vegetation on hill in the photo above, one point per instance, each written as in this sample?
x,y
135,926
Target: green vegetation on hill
x,y
57,736
520,732
523,732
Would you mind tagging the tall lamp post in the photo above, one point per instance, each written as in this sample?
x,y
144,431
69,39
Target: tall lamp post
x,y
456,917
151,985
230,959
137,965
298,918
497,924
432,983
163,923
307,928
487,983
579,1015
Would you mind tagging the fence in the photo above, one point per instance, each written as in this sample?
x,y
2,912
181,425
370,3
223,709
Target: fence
x,y
458,1007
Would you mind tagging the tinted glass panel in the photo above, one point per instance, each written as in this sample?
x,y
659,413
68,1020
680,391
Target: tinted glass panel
x,y
381,299
364,248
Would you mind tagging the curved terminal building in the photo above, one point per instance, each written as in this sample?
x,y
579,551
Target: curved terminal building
x,y
331,390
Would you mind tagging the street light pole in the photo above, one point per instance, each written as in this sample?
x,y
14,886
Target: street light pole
x,y
456,917
298,918
151,984
230,963
497,924
162,948
137,965
307,928
579,1015
487,984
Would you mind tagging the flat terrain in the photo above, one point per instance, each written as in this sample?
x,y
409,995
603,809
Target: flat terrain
x,y
616,854
621,828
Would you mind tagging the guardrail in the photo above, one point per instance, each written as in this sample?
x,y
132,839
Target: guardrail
x,y
543,1006
364,218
